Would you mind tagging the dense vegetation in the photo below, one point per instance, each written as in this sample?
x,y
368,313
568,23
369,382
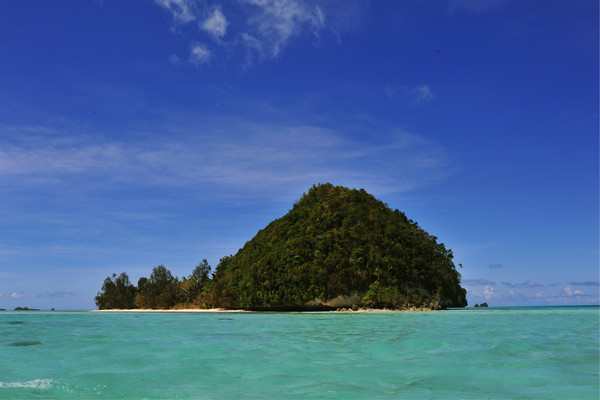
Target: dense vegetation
x,y
334,243
160,291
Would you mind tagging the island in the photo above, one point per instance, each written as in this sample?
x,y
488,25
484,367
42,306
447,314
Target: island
x,y
337,248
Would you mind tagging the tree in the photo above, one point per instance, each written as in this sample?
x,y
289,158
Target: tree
x,y
192,286
116,292
160,291
202,271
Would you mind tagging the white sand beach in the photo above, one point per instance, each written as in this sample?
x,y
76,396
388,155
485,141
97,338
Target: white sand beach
x,y
183,310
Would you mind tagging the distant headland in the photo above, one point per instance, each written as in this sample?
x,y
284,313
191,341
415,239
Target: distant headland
x,y
336,249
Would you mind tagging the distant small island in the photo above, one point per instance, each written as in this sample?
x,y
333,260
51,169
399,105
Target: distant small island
x,y
337,248
481,305
26,309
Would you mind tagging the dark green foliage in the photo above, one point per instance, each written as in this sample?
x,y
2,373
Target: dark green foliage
x,y
116,292
191,287
337,241
158,292
142,282
334,242
201,273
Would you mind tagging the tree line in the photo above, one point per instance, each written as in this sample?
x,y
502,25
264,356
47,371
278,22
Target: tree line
x,y
161,290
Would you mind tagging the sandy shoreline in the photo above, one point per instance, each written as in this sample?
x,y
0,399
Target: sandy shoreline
x,y
182,310
222,310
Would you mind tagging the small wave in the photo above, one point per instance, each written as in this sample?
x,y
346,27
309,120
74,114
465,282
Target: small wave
x,y
40,384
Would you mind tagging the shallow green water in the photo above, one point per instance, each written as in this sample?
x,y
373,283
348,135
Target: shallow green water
x,y
537,353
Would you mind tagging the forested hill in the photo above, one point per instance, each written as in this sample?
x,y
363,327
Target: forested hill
x,y
339,246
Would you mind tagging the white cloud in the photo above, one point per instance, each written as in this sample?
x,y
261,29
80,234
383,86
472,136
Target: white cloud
x,y
252,46
422,94
263,27
16,160
199,54
279,20
570,292
478,282
527,284
181,10
58,293
587,283
489,292
245,155
13,295
216,24
531,283
415,94
390,92
529,293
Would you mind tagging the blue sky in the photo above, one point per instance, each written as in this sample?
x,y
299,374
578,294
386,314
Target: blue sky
x,y
139,133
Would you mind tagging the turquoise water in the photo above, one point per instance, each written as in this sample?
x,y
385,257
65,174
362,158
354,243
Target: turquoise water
x,y
537,353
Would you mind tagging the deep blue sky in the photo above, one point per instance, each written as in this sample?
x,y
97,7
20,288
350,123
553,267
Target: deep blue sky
x,y
139,133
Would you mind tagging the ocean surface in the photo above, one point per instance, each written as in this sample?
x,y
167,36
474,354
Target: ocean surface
x,y
494,353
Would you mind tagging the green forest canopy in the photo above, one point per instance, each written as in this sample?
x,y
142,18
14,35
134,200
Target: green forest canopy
x,y
335,245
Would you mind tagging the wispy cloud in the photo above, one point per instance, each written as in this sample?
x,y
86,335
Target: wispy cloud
x,y
238,154
215,24
21,160
527,284
416,95
570,292
532,284
529,292
181,10
478,282
13,295
422,94
58,294
199,54
489,292
6,252
262,28
495,266
279,20
390,92
587,283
